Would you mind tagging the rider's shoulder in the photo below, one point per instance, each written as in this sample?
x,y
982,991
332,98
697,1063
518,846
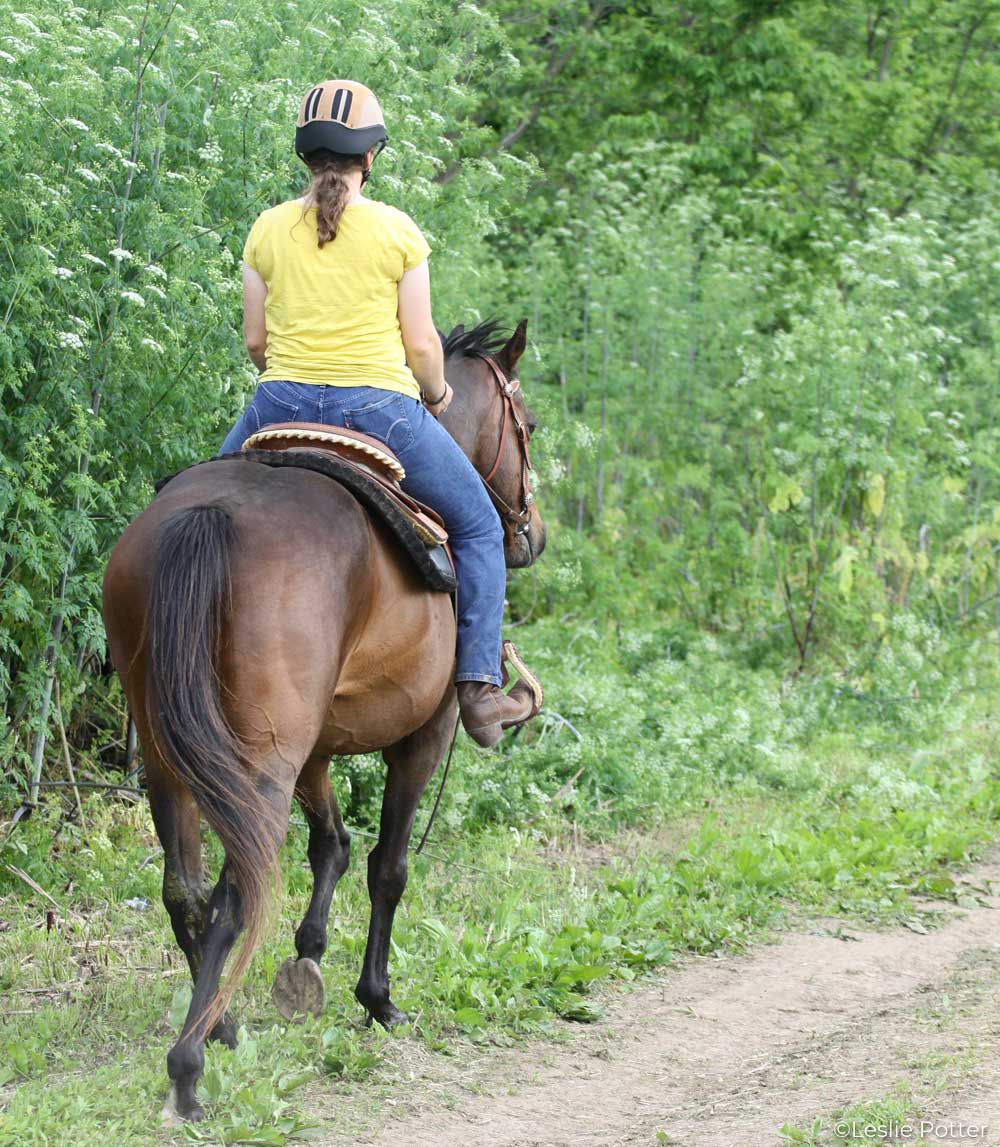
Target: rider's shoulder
x,y
278,212
391,216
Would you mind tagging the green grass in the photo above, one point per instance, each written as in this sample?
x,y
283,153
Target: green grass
x,y
888,1119
808,799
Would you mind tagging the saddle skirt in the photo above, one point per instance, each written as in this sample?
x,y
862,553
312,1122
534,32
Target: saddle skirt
x,y
372,473
361,451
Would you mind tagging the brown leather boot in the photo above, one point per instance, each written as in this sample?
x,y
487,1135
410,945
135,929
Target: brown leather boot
x,y
486,710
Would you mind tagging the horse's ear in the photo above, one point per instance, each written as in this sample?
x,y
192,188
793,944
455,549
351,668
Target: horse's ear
x,y
459,330
510,356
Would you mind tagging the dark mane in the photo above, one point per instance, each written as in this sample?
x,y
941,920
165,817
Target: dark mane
x,y
488,338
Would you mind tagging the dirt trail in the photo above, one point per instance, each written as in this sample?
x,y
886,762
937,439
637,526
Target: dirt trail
x,y
725,1051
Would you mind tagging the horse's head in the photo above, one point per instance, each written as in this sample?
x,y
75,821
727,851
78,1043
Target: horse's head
x,y
488,418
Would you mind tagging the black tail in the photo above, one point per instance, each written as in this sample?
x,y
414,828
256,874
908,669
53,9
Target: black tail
x,y
189,611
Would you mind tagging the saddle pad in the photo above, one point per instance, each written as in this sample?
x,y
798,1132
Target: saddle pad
x,y
349,444
431,558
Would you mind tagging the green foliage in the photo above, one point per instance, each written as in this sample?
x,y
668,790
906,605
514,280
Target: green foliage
x,y
759,297
137,146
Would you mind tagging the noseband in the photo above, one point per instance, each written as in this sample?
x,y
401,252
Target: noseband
x,y
520,519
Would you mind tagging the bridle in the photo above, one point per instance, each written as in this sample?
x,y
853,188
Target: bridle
x,y
520,519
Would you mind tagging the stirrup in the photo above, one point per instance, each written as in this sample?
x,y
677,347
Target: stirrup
x,y
509,653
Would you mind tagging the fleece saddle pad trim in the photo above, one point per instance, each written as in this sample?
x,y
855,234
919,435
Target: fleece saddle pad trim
x,y
433,562
366,450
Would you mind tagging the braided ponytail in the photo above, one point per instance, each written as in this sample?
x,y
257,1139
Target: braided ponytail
x,y
330,192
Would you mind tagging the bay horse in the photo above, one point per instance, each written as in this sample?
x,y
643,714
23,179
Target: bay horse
x,y
262,621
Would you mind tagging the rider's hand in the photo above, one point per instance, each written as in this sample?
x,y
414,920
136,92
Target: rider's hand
x,y
438,408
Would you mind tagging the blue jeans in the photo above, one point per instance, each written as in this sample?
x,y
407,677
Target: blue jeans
x,y
437,473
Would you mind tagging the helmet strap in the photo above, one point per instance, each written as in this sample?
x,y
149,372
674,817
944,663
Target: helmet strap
x,y
366,172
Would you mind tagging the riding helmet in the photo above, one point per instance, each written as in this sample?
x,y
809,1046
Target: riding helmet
x,y
340,116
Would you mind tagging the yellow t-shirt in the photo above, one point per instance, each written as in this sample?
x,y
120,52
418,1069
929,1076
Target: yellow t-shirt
x,y
331,311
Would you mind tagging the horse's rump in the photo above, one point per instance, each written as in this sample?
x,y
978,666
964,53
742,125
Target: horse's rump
x,y
332,638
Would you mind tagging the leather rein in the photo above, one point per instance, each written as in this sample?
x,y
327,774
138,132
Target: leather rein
x,y
508,387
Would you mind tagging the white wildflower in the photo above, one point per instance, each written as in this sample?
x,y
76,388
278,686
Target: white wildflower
x,y
210,152
156,290
152,344
585,437
70,340
62,273
93,259
25,22
77,123
133,297
119,253
8,58
156,271
109,148
47,252
88,175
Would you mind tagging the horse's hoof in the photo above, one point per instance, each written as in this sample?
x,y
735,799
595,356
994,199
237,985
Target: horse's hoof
x,y
298,989
389,1017
172,1116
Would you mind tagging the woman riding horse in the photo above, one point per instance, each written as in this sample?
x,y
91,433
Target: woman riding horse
x,y
262,621
337,317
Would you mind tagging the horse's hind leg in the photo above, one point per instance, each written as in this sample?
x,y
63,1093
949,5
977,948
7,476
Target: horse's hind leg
x,y
298,988
411,762
223,922
178,826
186,1059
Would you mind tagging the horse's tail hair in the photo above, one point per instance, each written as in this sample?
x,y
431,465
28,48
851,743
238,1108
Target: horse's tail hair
x,y
189,609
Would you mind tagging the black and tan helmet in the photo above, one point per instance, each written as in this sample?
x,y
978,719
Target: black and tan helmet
x,y
340,116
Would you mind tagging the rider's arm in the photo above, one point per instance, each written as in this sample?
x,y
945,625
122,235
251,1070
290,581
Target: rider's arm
x,y
254,328
420,338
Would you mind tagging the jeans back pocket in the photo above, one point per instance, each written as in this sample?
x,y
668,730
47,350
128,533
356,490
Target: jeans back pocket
x,y
385,419
270,406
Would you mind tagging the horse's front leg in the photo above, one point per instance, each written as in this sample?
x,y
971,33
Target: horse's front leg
x,y
411,764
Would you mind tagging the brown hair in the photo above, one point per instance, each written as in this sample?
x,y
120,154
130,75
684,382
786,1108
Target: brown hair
x,y
329,190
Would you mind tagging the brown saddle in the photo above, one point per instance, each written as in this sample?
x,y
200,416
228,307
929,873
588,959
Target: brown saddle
x,y
375,460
